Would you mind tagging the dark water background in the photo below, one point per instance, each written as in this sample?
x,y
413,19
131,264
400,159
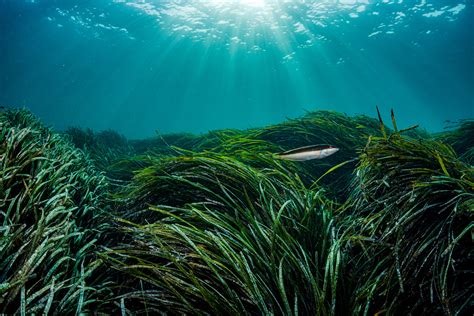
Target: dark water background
x,y
191,66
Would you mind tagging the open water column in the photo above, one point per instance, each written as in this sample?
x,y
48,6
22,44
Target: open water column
x,y
193,66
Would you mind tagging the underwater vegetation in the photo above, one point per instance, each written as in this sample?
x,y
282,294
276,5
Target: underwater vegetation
x,y
213,224
410,225
51,201
104,147
461,138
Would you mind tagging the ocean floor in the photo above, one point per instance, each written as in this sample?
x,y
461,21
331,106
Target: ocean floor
x,y
92,222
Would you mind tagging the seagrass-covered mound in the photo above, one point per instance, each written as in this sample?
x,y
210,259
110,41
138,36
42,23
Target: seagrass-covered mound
x,y
222,237
410,229
51,199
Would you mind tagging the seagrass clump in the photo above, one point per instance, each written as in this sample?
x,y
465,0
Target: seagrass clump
x,y
409,227
50,208
222,237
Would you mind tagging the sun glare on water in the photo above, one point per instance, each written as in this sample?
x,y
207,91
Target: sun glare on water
x,y
253,3
246,3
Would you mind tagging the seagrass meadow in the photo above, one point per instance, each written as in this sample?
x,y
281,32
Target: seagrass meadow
x,y
213,224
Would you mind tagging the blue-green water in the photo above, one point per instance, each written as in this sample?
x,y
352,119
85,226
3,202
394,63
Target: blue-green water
x,y
137,66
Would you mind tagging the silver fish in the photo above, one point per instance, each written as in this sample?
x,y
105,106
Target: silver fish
x,y
308,153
